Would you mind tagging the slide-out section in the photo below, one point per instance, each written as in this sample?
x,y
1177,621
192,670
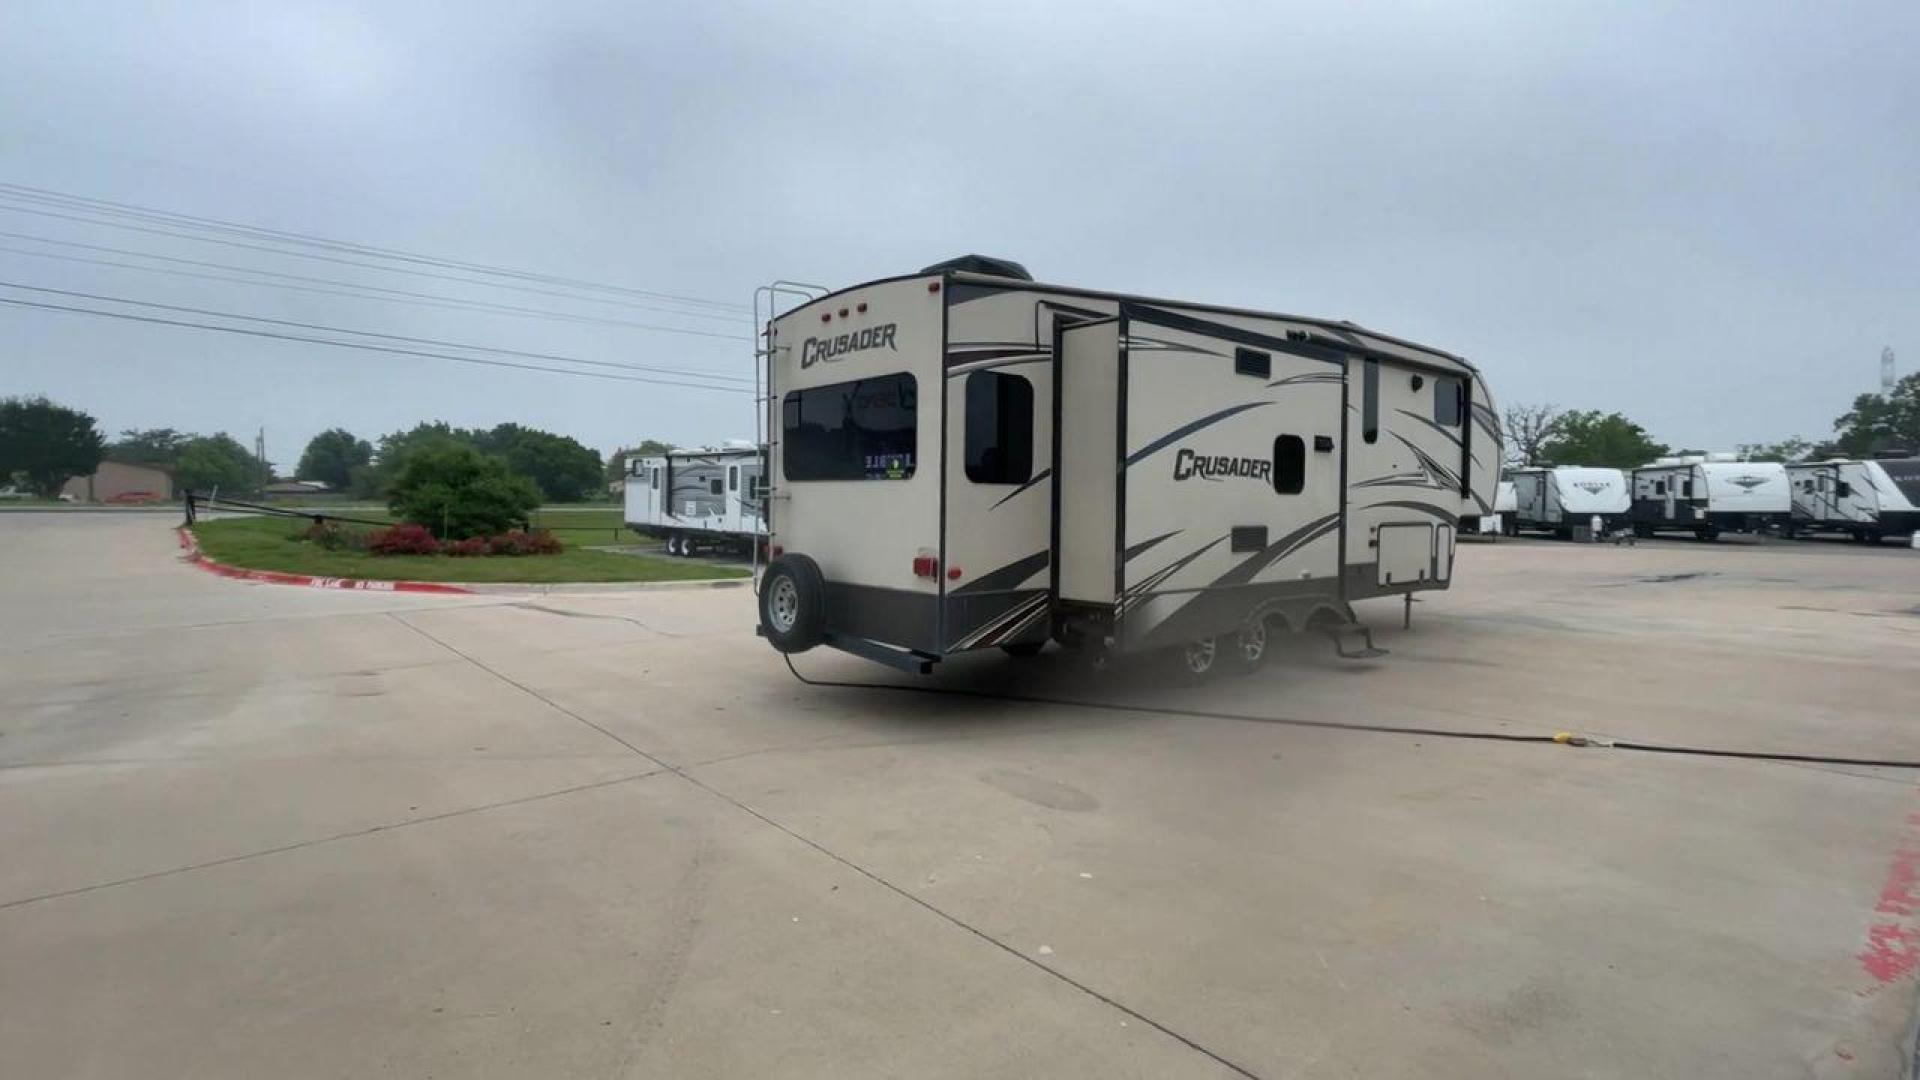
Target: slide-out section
x,y
1087,467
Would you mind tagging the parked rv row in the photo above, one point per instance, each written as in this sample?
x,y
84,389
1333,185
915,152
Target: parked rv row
x,y
1708,495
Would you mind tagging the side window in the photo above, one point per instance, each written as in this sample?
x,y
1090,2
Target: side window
x,y
999,437
1289,464
867,429
1686,489
656,476
1659,487
1449,396
733,478
1843,489
713,486
1370,401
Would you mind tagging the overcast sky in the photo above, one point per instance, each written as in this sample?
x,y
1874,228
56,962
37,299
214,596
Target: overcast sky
x,y
1706,216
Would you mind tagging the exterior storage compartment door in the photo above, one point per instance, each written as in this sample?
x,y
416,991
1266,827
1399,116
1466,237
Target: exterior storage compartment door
x,y
1086,470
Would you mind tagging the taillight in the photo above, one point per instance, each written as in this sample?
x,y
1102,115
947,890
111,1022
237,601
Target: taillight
x,y
926,566
953,573
777,550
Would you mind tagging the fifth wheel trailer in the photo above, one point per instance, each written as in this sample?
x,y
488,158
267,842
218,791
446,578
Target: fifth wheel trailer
x,y
1564,499
1866,499
964,459
1710,494
693,499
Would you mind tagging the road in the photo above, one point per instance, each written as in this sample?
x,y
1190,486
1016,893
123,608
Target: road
x,y
260,830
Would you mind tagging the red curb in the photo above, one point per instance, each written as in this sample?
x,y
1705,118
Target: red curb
x,y
276,577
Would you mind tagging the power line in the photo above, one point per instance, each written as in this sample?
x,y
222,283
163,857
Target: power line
x,y
436,299
331,259
365,348
376,334
44,195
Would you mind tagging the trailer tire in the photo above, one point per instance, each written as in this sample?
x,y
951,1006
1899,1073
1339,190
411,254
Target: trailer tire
x,y
1200,659
672,544
1248,648
793,604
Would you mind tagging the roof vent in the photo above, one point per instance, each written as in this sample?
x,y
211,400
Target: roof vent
x,y
982,264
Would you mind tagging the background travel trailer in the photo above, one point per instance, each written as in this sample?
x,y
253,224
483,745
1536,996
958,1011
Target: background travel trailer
x,y
1867,499
698,498
1565,499
1708,495
1204,471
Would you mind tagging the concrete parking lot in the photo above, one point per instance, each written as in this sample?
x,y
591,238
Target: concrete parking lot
x,y
260,830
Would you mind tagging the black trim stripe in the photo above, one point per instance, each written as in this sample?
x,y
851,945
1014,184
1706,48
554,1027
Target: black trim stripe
x,y
1442,513
1147,344
1279,549
1187,429
1441,428
1007,577
1312,377
1037,477
1173,568
1144,545
1173,320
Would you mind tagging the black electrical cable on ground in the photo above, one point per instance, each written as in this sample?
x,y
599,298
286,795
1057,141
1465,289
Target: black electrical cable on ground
x,y
1562,738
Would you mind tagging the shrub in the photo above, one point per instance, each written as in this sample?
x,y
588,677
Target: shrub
x,y
471,547
333,537
456,492
521,542
403,540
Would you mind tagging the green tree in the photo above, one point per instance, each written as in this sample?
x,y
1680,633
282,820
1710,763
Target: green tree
x,y
457,492
332,456
1599,439
207,462
562,468
390,460
47,443
1795,449
617,461
152,446
1880,422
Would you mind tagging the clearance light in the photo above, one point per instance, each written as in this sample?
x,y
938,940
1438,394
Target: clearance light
x,y
953,573
860,307
926,566
826,316
843,313
933,286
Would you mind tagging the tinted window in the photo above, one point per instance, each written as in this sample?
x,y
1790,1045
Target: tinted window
x,y
1843,489
733,478
1448,401
656,476
713,486
1289,464
999,446
867,429
1370,401
1659,487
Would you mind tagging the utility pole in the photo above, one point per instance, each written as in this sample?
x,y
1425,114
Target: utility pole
x,y
260,455
1886,370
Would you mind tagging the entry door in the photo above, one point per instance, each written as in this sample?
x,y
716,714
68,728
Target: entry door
x,y
1673,496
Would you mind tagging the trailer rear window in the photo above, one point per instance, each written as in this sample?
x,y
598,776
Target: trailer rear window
x,y
999,428
867,429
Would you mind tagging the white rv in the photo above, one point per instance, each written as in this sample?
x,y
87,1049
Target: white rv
x,y
695,499
1505,502
1710,494
965,459
1868,499
1566,499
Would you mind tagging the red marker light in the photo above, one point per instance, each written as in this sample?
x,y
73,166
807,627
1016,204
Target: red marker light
x,y
843,313
826,316
778,551
926,566
860,308
933,286
953,573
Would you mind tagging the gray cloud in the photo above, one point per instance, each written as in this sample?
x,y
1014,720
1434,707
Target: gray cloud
x,y
1703,215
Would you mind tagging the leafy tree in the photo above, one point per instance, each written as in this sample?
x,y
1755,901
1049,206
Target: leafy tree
x,y
617,461
457,492
1599,439
218,461
332,456
562,468
1527,428
390,460
47,443
1882,421
152,446
1795,449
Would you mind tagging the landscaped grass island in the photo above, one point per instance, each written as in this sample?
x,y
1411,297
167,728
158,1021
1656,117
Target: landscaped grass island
x,y
274,543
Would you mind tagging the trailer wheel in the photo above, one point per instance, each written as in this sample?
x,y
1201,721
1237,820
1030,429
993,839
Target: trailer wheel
x,y
793,604
1198,659
1250,646
673,543
1709,533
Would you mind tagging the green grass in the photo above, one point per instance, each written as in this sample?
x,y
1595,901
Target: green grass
x,y
269,544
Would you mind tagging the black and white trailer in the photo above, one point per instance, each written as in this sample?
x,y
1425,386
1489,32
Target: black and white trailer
x,y
1568,501
965,459
1867,499
1710,494
712,498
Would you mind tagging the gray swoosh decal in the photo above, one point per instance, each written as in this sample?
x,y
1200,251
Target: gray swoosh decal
x,y
1037,477
1007,577
1142,546
1278,550
1177,434
1445,515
